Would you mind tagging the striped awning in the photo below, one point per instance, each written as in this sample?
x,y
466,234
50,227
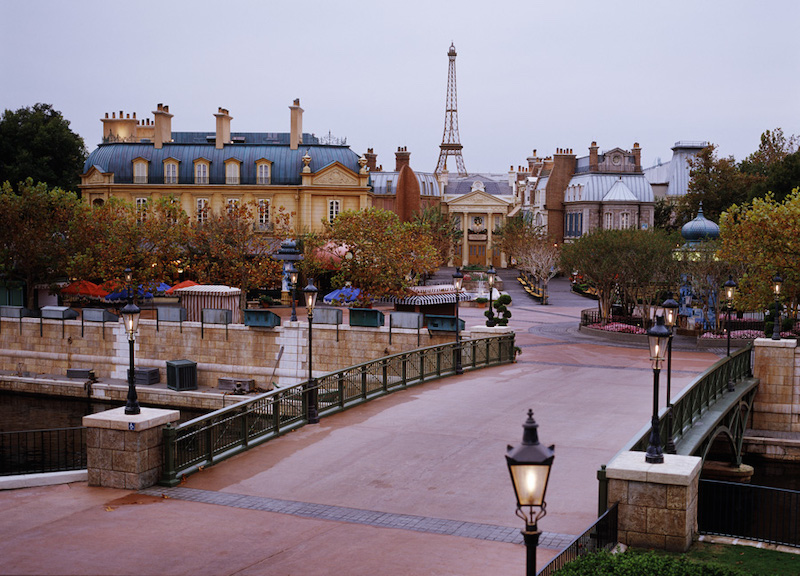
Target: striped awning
x,y
428,299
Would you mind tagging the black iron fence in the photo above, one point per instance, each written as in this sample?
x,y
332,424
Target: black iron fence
x,y
39,451
752,512
602,535
593,317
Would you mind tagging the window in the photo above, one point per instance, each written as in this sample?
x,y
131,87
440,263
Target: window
x,y
232,172
201,173
170,173
264,173
389,186
232,204
140,172
625,220
141,209
263,214
333,210
609,221
202,210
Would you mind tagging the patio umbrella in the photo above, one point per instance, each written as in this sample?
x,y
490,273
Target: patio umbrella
x,y
84,288
184,284
121,295
346,295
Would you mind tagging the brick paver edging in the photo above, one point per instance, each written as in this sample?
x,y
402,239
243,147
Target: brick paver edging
x,y
357,516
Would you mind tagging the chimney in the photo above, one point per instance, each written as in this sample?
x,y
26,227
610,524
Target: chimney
x,y
372,160
163,123
593,159
402,158
296,125
637,157
223,128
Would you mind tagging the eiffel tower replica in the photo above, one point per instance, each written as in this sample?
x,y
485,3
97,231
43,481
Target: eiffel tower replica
x,y
451,142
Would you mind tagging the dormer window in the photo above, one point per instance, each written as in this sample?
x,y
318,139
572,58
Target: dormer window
x,y
263,172
232,171
140,171
201,170
170,172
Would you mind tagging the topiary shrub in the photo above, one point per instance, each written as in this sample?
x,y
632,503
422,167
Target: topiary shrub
x,y
502,314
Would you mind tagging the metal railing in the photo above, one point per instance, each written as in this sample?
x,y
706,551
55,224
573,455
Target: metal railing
x,y
209,439
752,512
593,316
602,535
40,451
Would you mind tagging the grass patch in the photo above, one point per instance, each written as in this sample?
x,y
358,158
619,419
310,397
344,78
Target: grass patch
x,y
754,561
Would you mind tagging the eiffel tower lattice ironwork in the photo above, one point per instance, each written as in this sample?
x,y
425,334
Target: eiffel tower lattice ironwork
x,y
451,142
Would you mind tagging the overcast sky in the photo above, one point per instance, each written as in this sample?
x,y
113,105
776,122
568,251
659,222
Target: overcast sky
x,y
531,75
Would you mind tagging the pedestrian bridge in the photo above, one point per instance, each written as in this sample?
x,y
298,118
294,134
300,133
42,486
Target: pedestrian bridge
x,y
711,414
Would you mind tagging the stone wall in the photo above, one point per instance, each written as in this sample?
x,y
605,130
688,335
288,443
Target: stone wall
x,y
239,351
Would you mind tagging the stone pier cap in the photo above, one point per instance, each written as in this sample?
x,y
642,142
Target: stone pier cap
x,y
116,419
676,470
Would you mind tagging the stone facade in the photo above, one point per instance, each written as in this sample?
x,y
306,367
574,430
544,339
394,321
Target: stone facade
x,y
657,502
777,403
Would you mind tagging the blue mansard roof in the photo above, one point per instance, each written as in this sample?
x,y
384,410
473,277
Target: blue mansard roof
x,y
190,146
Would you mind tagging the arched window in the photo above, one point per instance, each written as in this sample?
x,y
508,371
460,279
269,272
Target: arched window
x,y
201,173
170,173
263,173
232,172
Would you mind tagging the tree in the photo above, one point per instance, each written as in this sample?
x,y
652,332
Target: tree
x,y
226,249
776,164
540,260
36,142
443,230
37,233
717,183
764,237
383,251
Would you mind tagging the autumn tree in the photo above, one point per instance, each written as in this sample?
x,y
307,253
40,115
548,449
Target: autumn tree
x,y
150,240
225,249
36,142
764,237
382,251
775,166
37,233
442,229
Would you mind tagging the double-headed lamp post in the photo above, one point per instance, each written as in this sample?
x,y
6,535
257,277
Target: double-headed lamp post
x,y
312,413
291,271
130,318
670,308
529,464
658,337
777,281
458,281
491,273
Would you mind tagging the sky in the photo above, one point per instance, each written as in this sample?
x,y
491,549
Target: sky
x,y
530,74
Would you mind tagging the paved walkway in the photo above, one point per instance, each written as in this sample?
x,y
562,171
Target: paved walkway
x,y
412,483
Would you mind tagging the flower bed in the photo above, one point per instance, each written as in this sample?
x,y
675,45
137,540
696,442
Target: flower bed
x,y
618,327
744,335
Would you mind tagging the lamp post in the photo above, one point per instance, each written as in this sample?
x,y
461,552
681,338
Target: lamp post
x,y
657,336
730,292
491,273
130,318
529,464
291,271
458,280
289,254
670,307
312,413
776,326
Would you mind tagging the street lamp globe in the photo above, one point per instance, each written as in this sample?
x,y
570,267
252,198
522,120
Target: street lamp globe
x,y
310,293
458,280
777,282
130,318
730,289
657,337
670,307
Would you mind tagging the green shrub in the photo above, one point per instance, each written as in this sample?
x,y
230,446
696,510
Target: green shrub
x,y
632,563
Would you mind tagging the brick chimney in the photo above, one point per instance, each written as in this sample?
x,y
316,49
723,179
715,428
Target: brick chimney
x,y
637,157
372,160
296,125
402,158
223,128
163,128
593,159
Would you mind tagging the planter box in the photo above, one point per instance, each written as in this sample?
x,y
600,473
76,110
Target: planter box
x,y
366,317
438,323
217,316
59,313
171,314
411,320
261,318
327,316
99,315
17,312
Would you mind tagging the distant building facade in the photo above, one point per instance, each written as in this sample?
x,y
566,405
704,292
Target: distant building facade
x,y
671,179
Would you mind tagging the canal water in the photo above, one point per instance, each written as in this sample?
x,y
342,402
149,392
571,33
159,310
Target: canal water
x,y
31,412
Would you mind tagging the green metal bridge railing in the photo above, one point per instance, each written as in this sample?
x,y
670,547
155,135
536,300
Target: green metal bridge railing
x,y
209,439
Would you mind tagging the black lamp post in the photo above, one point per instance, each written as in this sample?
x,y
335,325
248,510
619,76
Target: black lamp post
x,y
312,413
292,273
458,280
289,254
776,288
658,336
730,292
130,318
529,464
491,273
670,307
